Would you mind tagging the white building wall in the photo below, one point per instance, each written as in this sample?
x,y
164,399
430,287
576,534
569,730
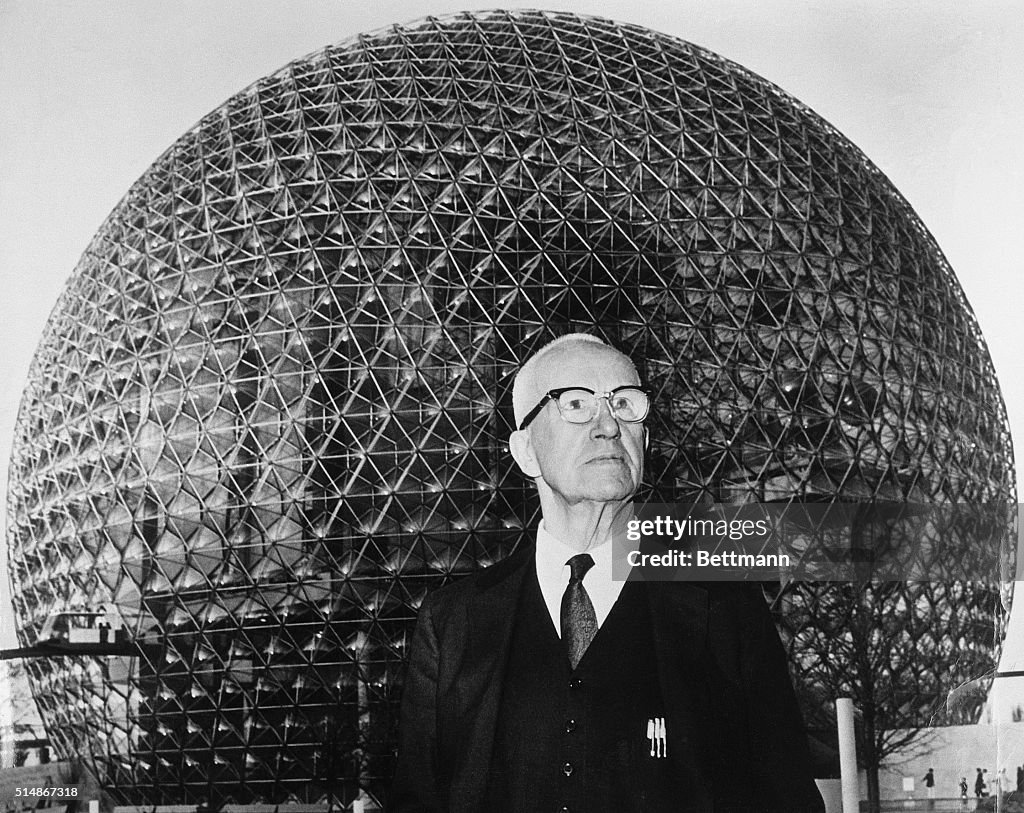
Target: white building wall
x,y
954,752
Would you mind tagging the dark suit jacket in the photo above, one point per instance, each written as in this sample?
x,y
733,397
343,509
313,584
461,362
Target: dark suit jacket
x,y
735,733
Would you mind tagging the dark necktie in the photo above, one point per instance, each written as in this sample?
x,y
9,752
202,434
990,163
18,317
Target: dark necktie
x,y
579,621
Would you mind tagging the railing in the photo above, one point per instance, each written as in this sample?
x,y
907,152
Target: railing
x,y
946,804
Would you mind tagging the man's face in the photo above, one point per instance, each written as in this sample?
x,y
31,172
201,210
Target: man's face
x,y
601,460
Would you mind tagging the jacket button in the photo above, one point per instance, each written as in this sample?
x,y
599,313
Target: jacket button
x,y
575,683
567,769
570,726
563,809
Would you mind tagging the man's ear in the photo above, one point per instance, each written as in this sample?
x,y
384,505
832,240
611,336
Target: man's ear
x,y
647,437
521,445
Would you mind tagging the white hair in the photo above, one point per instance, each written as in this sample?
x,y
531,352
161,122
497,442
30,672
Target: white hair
x,y
523,385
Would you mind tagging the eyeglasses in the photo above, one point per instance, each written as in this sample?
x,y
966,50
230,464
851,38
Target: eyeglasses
x,y
628,404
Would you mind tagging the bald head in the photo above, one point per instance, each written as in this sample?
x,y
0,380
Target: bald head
x,y
532,381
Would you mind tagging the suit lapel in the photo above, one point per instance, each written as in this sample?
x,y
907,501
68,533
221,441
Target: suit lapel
x,y
679,619
489,617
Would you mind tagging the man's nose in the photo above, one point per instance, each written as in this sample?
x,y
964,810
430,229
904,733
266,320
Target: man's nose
x,y
605,425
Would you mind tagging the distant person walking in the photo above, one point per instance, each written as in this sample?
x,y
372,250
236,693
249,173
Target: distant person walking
x,y
963,790
929,782
979,784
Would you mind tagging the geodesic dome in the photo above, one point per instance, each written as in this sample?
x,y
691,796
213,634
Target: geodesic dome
x,y
269,412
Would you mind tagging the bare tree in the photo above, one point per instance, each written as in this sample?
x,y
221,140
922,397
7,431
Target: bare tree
x,y
898,649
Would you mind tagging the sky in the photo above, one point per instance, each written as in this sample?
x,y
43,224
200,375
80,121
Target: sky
x,y
93,91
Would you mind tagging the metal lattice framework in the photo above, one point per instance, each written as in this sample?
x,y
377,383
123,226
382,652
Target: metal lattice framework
x,y
269,412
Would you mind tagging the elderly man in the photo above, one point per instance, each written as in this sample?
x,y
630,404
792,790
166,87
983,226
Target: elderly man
x,y
543,684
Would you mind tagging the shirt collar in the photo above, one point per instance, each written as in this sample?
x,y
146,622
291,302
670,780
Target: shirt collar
x,y
552,555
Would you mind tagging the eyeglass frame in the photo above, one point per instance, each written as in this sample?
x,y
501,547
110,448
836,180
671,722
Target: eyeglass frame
x,y
554,395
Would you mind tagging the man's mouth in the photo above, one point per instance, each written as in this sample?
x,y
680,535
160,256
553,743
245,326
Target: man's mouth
x,y
607,458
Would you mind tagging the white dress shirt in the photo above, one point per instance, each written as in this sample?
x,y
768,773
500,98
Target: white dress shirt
x,y
553,576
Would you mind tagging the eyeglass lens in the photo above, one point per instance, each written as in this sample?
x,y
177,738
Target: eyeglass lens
x,y
580,406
